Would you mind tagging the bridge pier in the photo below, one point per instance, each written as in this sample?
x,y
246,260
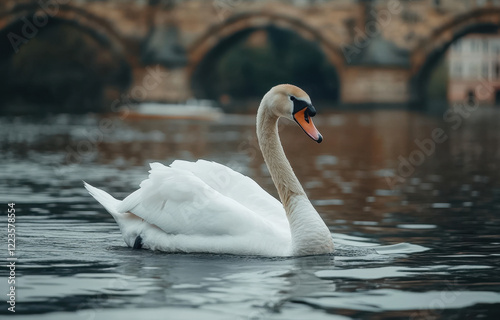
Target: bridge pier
x,y
363,85
157,83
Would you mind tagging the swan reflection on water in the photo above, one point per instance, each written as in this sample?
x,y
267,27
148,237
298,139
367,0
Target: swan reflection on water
x,y
426,249
206,207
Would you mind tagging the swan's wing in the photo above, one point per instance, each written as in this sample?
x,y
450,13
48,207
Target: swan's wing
x,y
179,202
236,186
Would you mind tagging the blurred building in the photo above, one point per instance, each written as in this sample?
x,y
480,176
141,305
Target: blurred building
x,y
474,69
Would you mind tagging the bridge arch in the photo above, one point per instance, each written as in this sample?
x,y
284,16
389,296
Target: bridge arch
x,y
99,28
430,50
252,21
25,22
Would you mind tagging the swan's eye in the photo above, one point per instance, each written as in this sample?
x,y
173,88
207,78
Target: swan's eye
x,y
293,98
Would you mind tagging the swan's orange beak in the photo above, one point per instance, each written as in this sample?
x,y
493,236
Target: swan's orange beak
x,y
304,119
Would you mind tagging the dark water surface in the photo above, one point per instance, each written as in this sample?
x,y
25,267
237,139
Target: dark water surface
x,y
417,228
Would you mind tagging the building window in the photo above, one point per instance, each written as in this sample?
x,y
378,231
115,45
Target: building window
x,y
485,70
473,70
457,70
473,45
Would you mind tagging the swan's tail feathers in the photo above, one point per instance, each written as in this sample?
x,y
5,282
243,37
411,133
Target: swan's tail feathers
x,y
104,198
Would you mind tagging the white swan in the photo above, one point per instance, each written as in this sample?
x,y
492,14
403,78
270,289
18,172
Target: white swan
x,y
206,207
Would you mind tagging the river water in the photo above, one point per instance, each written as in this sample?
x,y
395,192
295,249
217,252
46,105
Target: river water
x,y
412,202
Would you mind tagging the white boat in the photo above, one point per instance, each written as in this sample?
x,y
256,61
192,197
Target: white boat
x,y
192,109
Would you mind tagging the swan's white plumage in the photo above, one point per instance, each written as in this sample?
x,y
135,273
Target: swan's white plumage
x,y
202,206
206,207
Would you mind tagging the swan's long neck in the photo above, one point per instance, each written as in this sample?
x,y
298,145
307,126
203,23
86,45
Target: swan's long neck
x,y
310,235
281,171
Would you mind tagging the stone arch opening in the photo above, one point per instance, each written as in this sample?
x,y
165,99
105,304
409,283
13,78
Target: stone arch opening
x,y
60,65
431,51
245,56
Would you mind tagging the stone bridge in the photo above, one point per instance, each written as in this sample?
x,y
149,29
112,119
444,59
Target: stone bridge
x,y
382,50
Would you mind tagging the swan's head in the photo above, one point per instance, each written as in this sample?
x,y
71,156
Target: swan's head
x,y
293,103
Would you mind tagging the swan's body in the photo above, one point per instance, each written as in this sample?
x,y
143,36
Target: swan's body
x,y
206,207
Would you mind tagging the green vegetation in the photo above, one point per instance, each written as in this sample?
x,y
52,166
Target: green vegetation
x,y
242,69
438,81
62,69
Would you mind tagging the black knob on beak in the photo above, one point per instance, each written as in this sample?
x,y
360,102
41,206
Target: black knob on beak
x,y
311,110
